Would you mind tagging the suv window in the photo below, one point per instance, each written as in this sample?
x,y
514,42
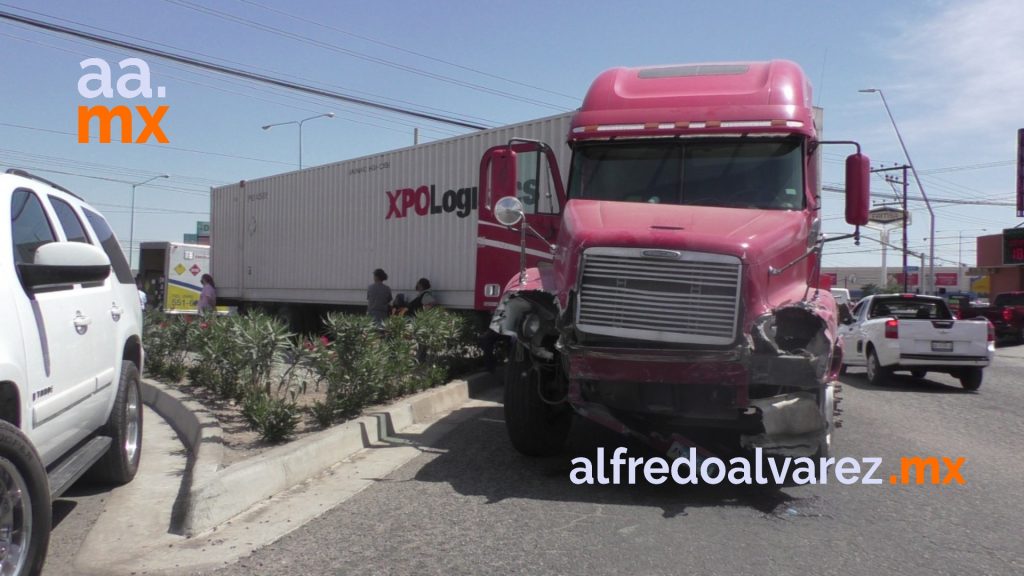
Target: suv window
x,y
109,243
73,229
30,228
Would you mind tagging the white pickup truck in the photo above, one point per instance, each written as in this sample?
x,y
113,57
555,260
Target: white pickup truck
x,y
890,332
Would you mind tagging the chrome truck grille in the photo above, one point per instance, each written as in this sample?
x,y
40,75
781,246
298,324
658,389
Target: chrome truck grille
x,y
659,295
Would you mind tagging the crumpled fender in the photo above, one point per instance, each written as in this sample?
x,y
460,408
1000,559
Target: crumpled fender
x,y
536,290
797,343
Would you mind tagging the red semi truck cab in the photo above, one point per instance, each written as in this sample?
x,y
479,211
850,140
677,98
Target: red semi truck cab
x,y
682,303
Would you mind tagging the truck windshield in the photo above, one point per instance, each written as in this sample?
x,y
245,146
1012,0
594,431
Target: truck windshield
x,y
734,173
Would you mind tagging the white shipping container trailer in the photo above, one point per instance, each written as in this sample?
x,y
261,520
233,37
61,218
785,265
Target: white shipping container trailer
x,y
306,241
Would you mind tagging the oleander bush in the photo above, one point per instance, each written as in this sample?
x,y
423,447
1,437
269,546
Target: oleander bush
x,y
255,361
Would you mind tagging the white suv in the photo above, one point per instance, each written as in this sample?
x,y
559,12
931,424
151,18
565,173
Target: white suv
x,y
70,358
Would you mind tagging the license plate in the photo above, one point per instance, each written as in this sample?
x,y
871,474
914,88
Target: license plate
x,y
942,346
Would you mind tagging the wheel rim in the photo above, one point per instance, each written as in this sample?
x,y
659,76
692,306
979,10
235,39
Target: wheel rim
x,y
132,419
872,366
15,519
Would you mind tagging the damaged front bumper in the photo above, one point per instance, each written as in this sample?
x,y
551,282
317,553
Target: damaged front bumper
x,y
773,392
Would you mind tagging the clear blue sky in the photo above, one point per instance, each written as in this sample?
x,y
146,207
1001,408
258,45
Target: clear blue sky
x,y
951,72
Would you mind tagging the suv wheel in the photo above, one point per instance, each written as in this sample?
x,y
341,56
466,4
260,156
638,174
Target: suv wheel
x,y
24,505
121,462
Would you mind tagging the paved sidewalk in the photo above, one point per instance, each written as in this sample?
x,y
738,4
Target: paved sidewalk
x,y
131,537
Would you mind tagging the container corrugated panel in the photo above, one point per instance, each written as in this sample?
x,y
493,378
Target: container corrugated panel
x,y
316,235
226,205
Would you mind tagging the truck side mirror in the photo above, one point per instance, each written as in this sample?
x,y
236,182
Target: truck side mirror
x,y
858,190
509,211
497,174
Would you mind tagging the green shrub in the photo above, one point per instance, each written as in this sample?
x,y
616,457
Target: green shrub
x,y
237,354
325,413
276,419
167,339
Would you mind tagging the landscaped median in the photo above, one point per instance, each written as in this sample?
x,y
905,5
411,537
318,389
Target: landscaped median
x,y
312,401
212,494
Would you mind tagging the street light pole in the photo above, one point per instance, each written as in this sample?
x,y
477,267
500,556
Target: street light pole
x,y
300,123
931,213
131,225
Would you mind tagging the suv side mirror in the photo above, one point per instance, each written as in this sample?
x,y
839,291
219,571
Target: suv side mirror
x,y
65,263
858,190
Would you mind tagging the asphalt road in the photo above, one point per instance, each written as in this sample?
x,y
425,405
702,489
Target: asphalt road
x,y
472,505
77,510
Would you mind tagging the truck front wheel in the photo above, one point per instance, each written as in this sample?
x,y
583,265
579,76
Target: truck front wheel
x,y
970,378
24,505
535,427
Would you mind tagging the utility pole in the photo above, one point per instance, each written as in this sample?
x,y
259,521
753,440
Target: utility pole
x,y
890,179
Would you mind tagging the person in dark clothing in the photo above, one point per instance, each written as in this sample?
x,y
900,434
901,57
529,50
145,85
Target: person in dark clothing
x,y
378,297
424,300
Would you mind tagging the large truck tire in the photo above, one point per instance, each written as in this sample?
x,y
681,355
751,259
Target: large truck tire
x,y
970,378
124,426
25,513
535,427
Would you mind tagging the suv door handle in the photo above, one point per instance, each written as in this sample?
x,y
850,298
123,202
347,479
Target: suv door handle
x,y
81,323
116,311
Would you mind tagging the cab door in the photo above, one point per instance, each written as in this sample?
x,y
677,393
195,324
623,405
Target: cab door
x,y
97,301
539,186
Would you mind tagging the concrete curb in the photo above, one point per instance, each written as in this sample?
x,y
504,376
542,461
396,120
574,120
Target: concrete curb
x,y
210,495
198,429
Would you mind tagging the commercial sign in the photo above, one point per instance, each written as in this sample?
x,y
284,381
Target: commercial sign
x,y
946,279
1020,173
1013,246
913,279
203,233
886,215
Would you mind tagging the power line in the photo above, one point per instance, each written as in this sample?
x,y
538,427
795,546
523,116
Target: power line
x,y
227,61
407,51
160,146
119,181
63,162
249,88
335,48
235,72
830,188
